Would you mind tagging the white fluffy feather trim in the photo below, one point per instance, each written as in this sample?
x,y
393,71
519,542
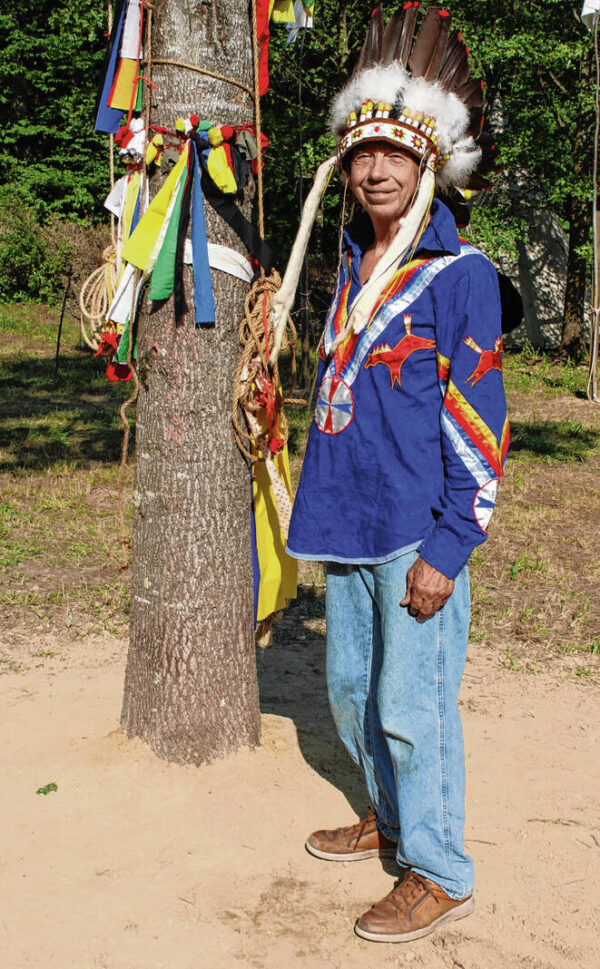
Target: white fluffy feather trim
x,y
463,161
376,84
451,116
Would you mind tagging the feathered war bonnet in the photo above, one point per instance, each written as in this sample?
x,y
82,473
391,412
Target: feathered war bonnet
x,y
414,92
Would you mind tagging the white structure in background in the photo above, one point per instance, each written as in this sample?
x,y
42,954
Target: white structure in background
x,y
590,9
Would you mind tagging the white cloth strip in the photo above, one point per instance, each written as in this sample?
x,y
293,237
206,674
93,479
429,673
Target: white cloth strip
x,y
131,31
223,258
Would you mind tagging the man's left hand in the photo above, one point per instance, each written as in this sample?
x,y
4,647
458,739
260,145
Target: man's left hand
x,y
427,590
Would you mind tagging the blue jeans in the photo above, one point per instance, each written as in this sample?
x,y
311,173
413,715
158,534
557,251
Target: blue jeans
x,y
393,688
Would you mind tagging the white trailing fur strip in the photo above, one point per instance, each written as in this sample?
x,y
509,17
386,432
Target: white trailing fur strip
x,y
283,300
362,307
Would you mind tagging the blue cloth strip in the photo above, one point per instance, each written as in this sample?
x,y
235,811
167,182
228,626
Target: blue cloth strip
x,y
204,300
136,212
109,119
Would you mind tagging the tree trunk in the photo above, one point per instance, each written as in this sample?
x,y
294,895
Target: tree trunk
x,y
190,685
306,329
579,215
572,339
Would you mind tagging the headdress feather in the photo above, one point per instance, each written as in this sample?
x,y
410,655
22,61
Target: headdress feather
x,y
455,68
408,32
430,46
371,49
392,38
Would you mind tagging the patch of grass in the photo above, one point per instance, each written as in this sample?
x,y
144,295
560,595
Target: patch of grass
x,y
60,445
85,607
525,561
72,420
13,554
539,571
27,324
508,661
67,518
553,441
50,788
592,647
9,665
528,370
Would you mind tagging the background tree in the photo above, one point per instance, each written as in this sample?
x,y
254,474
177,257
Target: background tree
x,y
51,55
537,59
54,165
191,688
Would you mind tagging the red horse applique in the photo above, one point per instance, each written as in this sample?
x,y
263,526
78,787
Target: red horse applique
x,y
394,357
488,359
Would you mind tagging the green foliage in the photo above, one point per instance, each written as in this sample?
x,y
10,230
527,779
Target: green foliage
x,y
495,226
51,59
535,56
53,162
31,258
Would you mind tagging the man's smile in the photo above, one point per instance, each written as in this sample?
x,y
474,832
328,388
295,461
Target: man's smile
x,y
378,194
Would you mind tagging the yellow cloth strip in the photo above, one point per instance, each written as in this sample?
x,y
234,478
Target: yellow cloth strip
x,y
219,170
131,194
139,246
123,90
282,11
165,225
278,571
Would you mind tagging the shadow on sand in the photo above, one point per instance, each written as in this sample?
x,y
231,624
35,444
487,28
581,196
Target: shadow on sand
x,y
291,677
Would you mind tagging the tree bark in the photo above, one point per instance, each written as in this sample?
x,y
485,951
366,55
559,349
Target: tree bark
x,y
572,340
579,214
190,685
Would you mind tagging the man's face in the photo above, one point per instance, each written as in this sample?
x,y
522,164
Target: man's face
x,y
384,180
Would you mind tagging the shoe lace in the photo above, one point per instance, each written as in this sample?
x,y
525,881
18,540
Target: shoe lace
x,y
360,827
410,888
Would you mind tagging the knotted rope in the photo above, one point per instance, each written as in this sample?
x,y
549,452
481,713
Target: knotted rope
x,y
95,296
256,336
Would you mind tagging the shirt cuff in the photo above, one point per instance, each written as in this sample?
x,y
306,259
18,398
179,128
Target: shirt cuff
x,y
443,550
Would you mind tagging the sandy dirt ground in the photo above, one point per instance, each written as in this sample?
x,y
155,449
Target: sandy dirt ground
x,y
133,863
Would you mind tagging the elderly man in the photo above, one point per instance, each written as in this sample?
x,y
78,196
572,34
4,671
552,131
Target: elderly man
x,y
402,465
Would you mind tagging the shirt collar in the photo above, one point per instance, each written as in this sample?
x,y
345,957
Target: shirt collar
x,y
439,236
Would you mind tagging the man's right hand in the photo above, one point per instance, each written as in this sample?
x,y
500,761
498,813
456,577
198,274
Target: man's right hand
x,y
427,590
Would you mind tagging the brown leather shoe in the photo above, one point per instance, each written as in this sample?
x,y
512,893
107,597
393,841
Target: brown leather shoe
x,y
354,843
416,907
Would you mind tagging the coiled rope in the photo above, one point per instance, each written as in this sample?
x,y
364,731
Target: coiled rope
x,y
95,296
254,372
